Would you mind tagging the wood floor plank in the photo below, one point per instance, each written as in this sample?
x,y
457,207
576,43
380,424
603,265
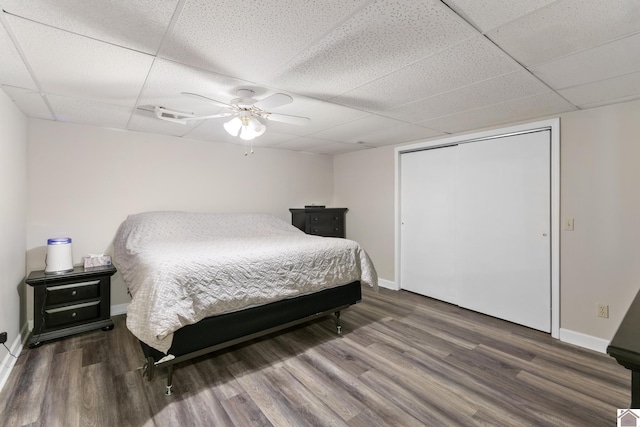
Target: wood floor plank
x,y
63,397
403,360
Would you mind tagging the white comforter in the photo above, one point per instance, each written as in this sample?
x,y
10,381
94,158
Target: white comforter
x,y
182,267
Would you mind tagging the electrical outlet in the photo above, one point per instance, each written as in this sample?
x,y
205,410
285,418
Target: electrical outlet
x,y
603,311
3,337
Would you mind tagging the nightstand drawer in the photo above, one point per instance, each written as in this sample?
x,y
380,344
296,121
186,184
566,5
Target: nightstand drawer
x,y
78,313
326,230
73,292
324,219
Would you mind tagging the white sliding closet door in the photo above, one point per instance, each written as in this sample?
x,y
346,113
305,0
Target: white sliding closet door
x,y
503,216
427,222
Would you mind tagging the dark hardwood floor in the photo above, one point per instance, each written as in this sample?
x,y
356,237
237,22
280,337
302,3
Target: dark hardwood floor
x,y
404,360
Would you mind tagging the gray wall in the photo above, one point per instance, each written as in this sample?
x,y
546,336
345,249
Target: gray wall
x,y
600,172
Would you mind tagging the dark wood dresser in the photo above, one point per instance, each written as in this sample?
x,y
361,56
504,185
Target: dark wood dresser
x,y
327,222
625,348
70,303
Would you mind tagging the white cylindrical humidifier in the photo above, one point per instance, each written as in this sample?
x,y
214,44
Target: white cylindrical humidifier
x,y
59,257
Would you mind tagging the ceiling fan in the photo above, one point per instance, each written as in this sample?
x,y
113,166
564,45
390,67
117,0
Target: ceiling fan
x,y
249,116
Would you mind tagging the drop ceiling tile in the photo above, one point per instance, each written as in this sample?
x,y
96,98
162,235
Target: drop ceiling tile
x,y
609,60
29,102
488,14
530,107
602,91
353,131
399,134
442,72
323,115
493,91
13,72
84,68
383,37
302,143
74,110
168,79
135,24
336,148
567,26
250,39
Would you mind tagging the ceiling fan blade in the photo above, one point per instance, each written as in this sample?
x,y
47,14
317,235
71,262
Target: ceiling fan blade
x,y
218,103
212,116
274,101
286,118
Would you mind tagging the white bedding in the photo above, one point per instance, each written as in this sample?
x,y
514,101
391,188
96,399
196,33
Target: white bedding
x,y
182,267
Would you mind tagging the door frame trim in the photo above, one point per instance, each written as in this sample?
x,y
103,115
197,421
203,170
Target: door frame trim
x,y
554,126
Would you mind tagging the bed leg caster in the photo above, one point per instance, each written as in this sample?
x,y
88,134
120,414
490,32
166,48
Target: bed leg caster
x,y
168,391
338,325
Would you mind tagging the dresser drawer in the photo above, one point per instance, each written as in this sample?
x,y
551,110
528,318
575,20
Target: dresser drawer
x,y
324,218
78,313
326,230
73,292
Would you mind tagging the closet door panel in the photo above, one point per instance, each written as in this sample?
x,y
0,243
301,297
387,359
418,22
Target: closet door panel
x,y
427,223
502,223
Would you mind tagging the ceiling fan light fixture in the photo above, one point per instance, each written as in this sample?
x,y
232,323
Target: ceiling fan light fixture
x,y
233,126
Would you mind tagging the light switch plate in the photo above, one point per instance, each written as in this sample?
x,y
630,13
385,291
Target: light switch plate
x,y
568,224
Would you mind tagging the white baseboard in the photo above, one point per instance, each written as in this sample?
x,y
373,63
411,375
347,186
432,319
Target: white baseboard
x,y
8,362
583,340
119,309
388,284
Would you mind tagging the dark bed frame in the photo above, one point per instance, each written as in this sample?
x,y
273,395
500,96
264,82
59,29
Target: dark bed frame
x,y
222,331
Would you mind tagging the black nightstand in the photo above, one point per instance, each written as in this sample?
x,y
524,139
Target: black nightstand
x,y
70,303
327,222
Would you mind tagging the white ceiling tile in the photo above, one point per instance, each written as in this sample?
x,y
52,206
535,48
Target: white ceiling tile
x,y
168,79
487,14
29,102
442,72
136,24
335,148
302,143
399,134
250,39
609,60
355,130
383,37
493,91
87,112
85,68
567,26
13,72
323,115
602,91
520,109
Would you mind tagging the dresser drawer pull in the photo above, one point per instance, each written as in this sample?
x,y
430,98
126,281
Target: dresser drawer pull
x,y
74,293
72,307
315,218
74,314
73,285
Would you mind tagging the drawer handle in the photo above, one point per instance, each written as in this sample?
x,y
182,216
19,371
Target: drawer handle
x,y
336,218
74,293
315,230
74,314
336,229
315,218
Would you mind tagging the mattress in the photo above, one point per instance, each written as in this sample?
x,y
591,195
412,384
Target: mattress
x,y
182,267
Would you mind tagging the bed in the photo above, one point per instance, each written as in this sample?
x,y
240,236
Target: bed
x,y
201,282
